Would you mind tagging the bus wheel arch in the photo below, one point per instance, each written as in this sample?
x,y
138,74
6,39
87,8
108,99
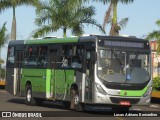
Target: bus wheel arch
x,y
28,83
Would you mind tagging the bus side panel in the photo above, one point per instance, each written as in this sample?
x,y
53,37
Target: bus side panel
x,y
60,84
37,78
70,78
49,83
10,80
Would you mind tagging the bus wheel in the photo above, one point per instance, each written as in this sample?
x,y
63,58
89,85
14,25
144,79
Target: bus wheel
x,y
39,101
29,98
74,100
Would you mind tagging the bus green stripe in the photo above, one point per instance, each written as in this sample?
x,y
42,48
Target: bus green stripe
x,y
48,78
52,40
133,93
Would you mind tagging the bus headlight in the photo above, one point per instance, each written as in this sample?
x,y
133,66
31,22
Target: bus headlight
x,y
100,89
148,92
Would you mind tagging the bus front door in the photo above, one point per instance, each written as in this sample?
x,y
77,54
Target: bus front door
x,y
89,75
58,77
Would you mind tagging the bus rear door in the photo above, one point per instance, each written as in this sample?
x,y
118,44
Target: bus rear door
x,y
19,58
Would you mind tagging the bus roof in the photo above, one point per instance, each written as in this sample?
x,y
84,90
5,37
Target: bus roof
x,y
52,40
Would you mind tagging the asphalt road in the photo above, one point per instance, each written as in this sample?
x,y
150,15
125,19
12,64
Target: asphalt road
x,y
16,107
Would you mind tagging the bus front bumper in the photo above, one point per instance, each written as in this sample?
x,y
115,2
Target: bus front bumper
x,y
99,98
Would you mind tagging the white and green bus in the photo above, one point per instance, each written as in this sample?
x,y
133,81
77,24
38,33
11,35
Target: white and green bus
x,y
89,70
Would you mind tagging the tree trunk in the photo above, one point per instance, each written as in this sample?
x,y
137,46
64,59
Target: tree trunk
x,y
13,30
114,31
64,32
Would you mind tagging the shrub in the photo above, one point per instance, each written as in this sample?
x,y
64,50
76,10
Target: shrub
x,y
156,84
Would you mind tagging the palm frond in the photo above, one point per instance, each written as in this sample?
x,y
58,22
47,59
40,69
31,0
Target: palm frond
x,y
107,16
4,5
78,30
44,30
123,23
83,13
42,19
108,1
158,23
103,1
93,22
3,35
154,35
43,7
61,14
25,2
126,1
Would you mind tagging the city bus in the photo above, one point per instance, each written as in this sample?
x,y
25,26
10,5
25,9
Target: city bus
x,y
79,71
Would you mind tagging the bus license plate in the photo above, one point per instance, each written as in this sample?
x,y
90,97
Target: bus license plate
x,y
125,103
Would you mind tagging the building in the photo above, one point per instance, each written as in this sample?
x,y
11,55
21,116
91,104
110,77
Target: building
x,y
155,58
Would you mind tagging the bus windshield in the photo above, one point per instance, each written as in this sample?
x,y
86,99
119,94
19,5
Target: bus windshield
x,y
122,66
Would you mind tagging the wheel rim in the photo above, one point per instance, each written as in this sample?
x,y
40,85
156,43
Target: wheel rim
x,y
29,95
76,100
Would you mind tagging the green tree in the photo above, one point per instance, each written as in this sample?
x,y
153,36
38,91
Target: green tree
x,y
3,39
1,61
111,16
5,4
155,35
64,14
2,73
3,35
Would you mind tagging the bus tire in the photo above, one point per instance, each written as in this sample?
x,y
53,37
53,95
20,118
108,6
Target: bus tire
x,y
29,98
66,104
74,100
39,101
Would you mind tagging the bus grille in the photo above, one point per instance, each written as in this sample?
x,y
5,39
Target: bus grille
x,y
118,100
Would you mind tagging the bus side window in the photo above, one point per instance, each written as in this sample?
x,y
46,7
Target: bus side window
x,y
11,57
32,56
42,56
64,61
88,63
77,58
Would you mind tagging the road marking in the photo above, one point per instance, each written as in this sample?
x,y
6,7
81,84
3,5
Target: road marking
x,y
3,91
137,109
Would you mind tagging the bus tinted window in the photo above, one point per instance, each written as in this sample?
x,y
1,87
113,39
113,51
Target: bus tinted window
x,y
42,56
11,57
35,56
70,56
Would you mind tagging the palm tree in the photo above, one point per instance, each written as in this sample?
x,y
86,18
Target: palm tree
x,y
3,40
3,35
155,35
111,16
5,4
64,14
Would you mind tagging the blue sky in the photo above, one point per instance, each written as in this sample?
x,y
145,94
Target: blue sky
x,y
142,15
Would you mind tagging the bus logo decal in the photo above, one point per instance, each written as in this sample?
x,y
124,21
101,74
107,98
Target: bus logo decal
x,y
125,93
